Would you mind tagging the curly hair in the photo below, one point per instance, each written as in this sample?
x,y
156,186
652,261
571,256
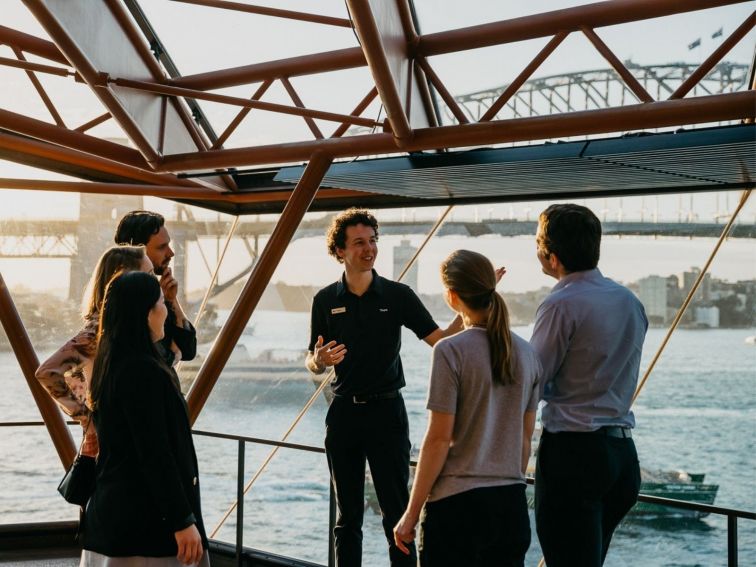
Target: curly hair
x,y
336,234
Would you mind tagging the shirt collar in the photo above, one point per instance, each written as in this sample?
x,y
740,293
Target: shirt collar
x,y
584,275
376,286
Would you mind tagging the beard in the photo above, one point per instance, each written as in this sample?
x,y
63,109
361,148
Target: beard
x,y
160,270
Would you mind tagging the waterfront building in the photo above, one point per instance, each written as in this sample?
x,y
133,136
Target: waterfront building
x,y
653,295
402,256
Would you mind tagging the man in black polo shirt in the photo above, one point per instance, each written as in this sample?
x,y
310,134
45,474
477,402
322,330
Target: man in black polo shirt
x,y
356,327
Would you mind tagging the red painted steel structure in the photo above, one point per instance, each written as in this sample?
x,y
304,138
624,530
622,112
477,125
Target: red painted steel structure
x,y
33,141
245,305
27,360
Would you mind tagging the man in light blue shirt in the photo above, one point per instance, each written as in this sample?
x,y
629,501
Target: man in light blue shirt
x,y
589,335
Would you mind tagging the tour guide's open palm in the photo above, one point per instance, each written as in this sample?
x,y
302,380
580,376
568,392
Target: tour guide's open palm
x,y
328,354
189,545
404,532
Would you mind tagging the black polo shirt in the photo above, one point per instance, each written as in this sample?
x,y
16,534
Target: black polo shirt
x,y
370,326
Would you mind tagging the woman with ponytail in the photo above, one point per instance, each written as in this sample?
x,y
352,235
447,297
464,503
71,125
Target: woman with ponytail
x,y
470,478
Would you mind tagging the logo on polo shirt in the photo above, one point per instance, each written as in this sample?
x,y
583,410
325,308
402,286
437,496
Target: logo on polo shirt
x,y
383,310
337,310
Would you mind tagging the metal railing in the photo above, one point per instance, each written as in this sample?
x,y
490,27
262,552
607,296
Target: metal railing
x,y
731,514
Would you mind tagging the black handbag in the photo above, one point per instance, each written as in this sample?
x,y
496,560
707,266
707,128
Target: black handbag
x,y
78,483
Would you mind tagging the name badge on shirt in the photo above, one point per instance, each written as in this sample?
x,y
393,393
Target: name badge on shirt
x,y
337,310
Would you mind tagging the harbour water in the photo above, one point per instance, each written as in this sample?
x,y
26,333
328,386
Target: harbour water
x,y
697,413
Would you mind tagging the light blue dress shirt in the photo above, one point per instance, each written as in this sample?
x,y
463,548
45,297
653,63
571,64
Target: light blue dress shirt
x,y
589,334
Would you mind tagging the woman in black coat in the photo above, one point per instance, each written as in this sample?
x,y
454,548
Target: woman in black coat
x,y
146,501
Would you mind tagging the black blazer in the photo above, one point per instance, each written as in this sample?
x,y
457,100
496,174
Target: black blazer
x,y
147,479
184,337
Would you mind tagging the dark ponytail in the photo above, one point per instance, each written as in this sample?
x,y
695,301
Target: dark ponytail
x,y
472,277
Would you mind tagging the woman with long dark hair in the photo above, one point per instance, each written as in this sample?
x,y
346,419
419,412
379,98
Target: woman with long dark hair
x,y
146,502
66,373
470,478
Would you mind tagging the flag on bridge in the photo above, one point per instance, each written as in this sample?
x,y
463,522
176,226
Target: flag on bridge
x,y
694,44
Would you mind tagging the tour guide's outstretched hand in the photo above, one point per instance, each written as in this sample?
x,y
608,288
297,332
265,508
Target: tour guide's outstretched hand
x,y
328,354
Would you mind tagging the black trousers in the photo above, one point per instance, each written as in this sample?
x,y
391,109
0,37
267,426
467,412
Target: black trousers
x,y
482,527
585,484
378,432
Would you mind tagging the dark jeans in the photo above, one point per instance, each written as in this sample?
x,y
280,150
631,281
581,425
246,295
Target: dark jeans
x,y
585,484
378,432
482,527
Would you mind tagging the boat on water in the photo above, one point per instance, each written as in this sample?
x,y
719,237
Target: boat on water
x,y
276,374
751,340
674,484
680,485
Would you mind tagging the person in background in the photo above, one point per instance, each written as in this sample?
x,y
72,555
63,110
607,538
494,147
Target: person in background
x,y
356,327
483,395
146,505
148,229
66,373
589,334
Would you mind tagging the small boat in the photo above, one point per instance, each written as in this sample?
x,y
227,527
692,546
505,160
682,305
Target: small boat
x,y
750,340
679,485
274,373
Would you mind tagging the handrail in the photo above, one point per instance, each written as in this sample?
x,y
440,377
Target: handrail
x,y
530,480
731,514
708,508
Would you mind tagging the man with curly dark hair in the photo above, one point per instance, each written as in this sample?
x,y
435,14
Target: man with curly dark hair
x,y
356,328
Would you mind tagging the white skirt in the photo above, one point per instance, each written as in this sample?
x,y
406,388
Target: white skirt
x,y
94,559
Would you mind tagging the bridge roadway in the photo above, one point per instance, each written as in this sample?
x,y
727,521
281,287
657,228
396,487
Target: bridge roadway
x,y
57,238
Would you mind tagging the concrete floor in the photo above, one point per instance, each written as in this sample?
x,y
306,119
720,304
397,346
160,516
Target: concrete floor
x,y
51,558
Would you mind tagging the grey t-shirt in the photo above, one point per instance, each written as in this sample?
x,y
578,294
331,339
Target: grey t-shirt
x,y
486,447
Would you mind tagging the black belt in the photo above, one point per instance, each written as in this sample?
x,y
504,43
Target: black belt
x,y
607,430
615,431
365,398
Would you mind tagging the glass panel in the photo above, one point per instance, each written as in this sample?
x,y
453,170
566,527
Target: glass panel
x,y
691,415
47,255
267,408
30,469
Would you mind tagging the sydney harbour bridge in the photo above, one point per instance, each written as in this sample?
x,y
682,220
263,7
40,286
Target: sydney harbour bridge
x,y
84,239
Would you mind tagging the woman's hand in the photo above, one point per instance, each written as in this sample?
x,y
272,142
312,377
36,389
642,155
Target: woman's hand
x,y
189,545
404,532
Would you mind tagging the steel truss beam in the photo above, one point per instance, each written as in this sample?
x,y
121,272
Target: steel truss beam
x,y
732,106
547,24
28,361
292,215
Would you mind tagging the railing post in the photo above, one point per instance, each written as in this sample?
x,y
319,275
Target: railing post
x,y
732,540
331,524
240,505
